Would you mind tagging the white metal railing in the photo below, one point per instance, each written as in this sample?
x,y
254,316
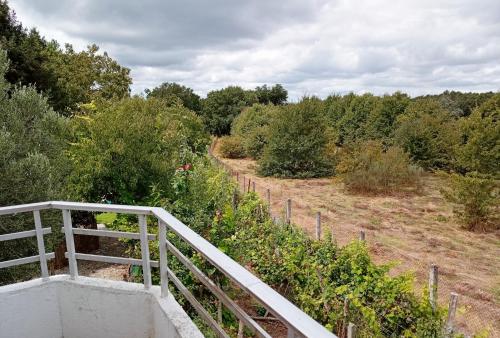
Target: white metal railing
x,y
298,323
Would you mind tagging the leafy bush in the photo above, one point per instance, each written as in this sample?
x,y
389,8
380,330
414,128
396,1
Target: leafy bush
x,y
231,147
222,106
367,167
125,147
480,132
428,133
252,128
297,142
476,199
318,275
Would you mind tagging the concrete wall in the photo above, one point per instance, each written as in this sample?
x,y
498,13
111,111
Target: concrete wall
x,y
89,307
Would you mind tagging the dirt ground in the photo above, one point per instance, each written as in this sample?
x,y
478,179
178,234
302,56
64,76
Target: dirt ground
x,y
413,230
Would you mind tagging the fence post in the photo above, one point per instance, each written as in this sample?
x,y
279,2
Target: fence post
x,y
288,210
318,225
238,177
362,235
41,244
70,244
249,181
146,265
162,242
268,196
244,183
253,186
351,330
235,199
452,309
433,286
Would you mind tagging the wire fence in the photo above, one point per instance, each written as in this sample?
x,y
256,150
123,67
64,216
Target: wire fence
x,y
476,312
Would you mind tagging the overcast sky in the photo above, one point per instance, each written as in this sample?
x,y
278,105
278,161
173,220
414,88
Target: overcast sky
x,y
310,46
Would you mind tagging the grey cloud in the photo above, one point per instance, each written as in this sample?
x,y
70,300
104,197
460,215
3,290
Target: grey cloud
x,y
312,47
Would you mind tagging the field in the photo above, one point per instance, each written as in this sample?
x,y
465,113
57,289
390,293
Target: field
x,y
413,231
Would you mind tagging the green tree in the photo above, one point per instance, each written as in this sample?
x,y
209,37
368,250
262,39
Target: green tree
x,y
251,127
276,94
348,115
380,122
297,142
169,90
480,133
428,132
127,147
32,165
222,106
84,76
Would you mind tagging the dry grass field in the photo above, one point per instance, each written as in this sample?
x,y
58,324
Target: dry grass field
x,y
411,230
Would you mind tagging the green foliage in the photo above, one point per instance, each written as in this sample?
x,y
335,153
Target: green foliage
x,y
84,76
428,132
476,200
222,106
275,95
231,147
31,165
125,147
66,77
380,122
458,103
297,142
170,90
368,168
251,126
480,132
348,115
319,275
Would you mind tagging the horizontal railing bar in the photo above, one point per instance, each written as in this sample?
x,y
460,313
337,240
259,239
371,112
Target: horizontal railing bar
x,y
278,305
25,260
197,306
96,207
108,233
23,234
111,259
228,302
14,209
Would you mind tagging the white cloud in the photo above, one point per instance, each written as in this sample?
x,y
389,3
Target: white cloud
x,y
316,47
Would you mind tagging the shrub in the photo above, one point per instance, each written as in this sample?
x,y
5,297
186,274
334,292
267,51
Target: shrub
x,y
480,132
297,142
368,168
252,127
428,133
476,199
231,147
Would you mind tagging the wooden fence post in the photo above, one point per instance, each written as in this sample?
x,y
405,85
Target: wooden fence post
x,y
238,177
362,235
342,334
433,286
244,183
235,199
351,330
452,309
253,186
288,210
318,225
249,185
268,194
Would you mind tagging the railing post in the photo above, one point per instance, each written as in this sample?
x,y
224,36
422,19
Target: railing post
x,y
362,235
146,266
41,244
452,309
70,243
162,242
